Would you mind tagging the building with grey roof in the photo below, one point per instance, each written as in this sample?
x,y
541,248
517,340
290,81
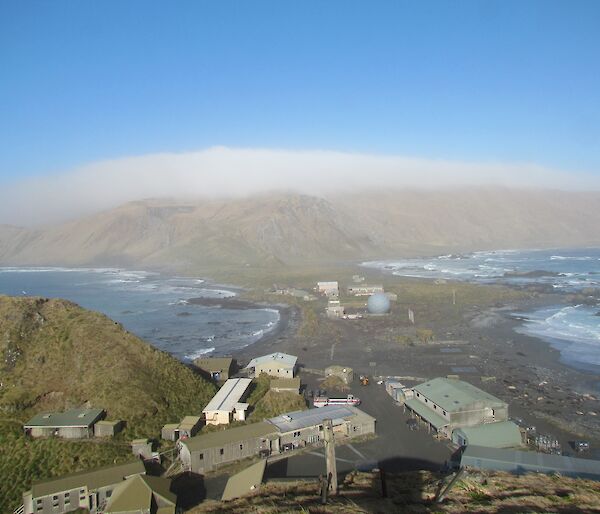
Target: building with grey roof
x,y
71,424
447,403
302,428
298,429
276,364
518,462
88,490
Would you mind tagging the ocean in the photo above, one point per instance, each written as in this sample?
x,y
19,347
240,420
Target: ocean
x,y
150,305
572,329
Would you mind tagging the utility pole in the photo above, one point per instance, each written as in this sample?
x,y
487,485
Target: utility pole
x,y
330,456
454,297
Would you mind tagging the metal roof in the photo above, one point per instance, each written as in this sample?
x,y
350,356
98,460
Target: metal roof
x,y
228,395
231,435
426,413
522,461
280,358
135,494
70,418
245,482
504,434
452,395
93,479
311,417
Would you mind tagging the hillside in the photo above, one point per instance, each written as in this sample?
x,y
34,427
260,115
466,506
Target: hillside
x,y
290,229
55,355
489,492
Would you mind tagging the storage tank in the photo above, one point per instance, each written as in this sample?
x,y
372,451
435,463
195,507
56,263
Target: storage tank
x,y
378,303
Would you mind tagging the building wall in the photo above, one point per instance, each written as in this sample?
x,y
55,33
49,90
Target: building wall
x,y
218,417
64,501
107,430
274,369
169,434
201,461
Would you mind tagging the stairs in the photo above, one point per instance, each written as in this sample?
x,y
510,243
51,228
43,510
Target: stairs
x,y
20,510
175,469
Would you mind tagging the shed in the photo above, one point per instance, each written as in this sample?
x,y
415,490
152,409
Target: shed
x,y
245,482
170,432
189,426
143,493
518,462
504,434
286,385
142,448
105,428
216,368
344,372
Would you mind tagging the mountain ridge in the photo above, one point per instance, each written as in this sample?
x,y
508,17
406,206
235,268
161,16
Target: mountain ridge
x,y
285,229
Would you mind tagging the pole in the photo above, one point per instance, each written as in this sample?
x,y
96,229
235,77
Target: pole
x,y
330,456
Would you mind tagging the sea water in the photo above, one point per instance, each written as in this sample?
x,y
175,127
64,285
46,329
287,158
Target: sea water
x,y
150,305
573,329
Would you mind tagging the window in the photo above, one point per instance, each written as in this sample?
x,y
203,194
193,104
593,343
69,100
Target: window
x,y
54,498
39,501
241,446
444,413
201,456
426,400
434,406
221,451
67,494
109,493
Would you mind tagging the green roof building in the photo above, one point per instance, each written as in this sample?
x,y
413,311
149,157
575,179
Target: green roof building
x,y
88,490
447,403
71,424
142,494
504,434
208,451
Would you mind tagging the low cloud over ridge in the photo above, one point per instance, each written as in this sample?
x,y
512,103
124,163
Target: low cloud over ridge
x,y
232,172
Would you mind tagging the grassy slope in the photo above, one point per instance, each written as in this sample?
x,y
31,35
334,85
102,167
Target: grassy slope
x,y
415,491
56,355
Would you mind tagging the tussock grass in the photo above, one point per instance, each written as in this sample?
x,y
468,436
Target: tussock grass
x,y
55,355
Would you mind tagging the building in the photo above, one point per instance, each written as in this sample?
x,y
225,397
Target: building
x,y
71,424
302,428
206,452
345,373
503,434
142,448
142,494
88,490
446,404
275,365
364,290
245,482
335,309
330,289
519,462
216,368
105,428
188,427
286,432
285,385
396,389
226,405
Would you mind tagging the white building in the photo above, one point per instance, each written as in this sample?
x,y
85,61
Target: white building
x,y
226,404
275,365
328,288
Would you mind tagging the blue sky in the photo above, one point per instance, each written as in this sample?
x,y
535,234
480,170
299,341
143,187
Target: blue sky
x,y
488,81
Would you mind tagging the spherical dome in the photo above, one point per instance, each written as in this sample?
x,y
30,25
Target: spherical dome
x,y
378,303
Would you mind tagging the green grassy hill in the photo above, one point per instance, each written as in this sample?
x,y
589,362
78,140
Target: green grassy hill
x,y
56,355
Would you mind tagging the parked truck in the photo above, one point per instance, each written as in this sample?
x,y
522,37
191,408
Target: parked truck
x,y
323,401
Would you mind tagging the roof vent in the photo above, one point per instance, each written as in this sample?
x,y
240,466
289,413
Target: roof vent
x,y
46,416
286,417
82,415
